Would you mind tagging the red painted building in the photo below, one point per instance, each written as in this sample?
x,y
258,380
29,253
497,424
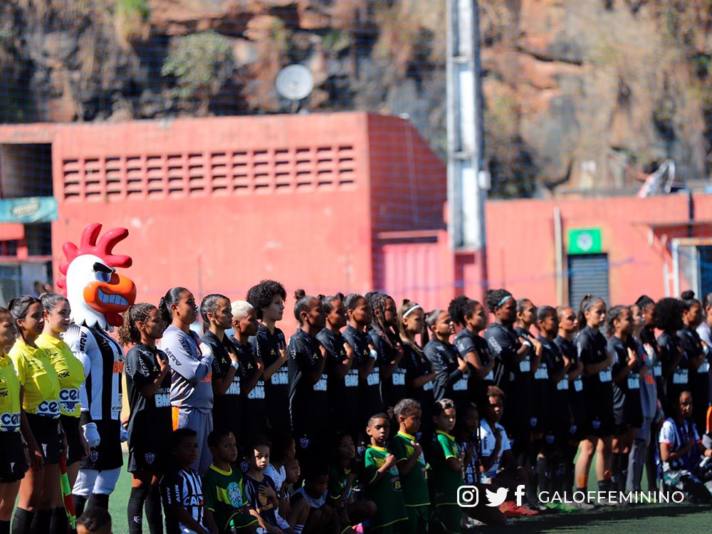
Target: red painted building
x,y
330,202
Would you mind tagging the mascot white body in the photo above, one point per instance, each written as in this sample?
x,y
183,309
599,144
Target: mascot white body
x,y
98,295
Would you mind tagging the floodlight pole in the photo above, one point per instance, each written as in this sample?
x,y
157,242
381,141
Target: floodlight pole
x,y
467,179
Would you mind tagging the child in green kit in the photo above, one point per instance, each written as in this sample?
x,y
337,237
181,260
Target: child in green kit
x,y
446,461
224,488
411,465
383,485
344,485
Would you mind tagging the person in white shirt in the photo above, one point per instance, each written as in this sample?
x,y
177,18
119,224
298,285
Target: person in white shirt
x,y
497,463
682,453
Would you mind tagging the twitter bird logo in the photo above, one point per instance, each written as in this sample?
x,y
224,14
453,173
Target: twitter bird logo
x,y
496,498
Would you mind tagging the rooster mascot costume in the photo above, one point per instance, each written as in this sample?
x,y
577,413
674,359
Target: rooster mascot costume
x,y
98,295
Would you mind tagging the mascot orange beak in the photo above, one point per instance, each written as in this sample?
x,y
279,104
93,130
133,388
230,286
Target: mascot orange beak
x,y
111,298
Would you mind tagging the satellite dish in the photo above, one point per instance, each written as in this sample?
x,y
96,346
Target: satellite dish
x,y
294,82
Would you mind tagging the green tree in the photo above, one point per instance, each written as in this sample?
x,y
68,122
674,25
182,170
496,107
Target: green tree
x,y
200,64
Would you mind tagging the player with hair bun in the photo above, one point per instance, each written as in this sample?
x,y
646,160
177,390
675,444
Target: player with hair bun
x,y
471,316
308,382
148,378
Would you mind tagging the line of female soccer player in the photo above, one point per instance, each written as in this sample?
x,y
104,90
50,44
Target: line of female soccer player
x,y
565,383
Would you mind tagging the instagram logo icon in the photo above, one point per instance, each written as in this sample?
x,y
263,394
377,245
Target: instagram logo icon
x,y
468,496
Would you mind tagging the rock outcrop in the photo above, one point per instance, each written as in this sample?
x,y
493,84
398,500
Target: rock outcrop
x,y
579,95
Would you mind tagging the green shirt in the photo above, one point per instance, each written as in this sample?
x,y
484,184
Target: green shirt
x,y
224,494
340,486
385,492
415,483
445,481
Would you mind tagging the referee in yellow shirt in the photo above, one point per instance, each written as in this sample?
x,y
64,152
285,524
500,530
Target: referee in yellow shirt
x,y
40,506
70,372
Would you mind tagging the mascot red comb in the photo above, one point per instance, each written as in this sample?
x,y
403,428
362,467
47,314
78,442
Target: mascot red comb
x,y
98,295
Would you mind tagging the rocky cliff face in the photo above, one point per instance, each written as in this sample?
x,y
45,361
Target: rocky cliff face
x,y
579,95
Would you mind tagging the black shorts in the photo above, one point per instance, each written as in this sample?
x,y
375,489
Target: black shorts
x,y
108,454
148,455
48,436
75,450
600,424
13,460
144,460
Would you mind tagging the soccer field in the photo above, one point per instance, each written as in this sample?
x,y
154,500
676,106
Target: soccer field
x,y
643,519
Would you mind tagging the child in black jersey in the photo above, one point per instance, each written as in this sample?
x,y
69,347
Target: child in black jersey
x,y
260,490
343,376
598,390
344,490
365,359
148,377
628,373
182,488
308,393
471,316
270,346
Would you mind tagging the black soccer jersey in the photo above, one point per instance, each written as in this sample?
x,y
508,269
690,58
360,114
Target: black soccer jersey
x,y
369,387
576,397
227,408
258,500
627,409
556,415
254,404
465,343
699,378
393,387
592,348
449,381
267,346
514,377
308,402
148,414
343,390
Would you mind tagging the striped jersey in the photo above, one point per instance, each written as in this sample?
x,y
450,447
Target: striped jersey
x,y
103,361
183,489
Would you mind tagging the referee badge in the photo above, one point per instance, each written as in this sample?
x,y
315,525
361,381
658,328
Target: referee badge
x,y
149,457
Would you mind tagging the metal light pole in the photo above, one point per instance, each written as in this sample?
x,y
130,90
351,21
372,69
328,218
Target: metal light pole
x,y
467,180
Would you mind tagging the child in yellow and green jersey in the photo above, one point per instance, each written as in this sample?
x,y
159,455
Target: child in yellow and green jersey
x,y
446,460
224,488
383,485
411,465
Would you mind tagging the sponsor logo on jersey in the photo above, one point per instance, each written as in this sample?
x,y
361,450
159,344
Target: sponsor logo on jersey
x,y
10,420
